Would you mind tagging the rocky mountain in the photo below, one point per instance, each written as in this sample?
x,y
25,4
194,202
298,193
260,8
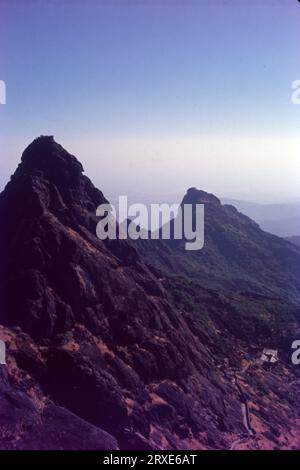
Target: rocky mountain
x,y
237,254
118,344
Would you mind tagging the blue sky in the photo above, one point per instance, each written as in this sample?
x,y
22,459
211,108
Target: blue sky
x,y
156,96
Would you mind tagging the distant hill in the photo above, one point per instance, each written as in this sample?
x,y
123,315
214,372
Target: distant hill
x,y
237,253
280,219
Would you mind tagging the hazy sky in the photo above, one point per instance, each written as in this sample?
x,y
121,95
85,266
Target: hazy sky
x,y
157,96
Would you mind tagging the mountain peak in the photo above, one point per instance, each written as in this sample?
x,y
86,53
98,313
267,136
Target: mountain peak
x,y
197,196
52,178
44,152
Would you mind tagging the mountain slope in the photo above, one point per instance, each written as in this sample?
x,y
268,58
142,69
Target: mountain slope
x,y
280,219
94,328
237,254
294,239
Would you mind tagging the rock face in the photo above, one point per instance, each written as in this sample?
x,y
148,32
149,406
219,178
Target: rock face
x,y
109,347
25,424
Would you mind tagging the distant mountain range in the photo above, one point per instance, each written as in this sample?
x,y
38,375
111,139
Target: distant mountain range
x,y
280,219
121,344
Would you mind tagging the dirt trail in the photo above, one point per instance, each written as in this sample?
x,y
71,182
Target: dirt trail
x,y
245,413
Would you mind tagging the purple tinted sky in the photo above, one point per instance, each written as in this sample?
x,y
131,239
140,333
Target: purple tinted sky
x,y
91,70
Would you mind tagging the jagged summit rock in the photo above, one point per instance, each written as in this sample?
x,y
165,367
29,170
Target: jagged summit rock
x,y
197,196
46,155
50,178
